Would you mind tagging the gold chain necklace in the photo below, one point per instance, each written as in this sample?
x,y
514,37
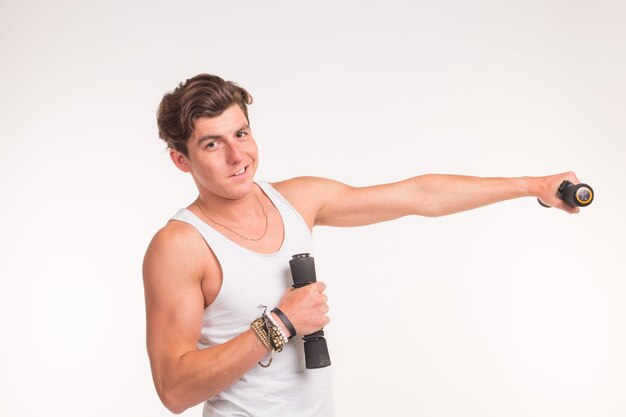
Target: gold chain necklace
x,y
239,234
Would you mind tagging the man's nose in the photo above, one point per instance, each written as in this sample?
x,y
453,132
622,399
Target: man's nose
x,y
234,154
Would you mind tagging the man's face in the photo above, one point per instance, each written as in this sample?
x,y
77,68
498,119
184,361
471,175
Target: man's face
x,y
223,156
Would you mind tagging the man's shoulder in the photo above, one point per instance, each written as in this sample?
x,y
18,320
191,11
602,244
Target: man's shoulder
x,y
308,189
307,194
304,185
301,191
178,240
176,232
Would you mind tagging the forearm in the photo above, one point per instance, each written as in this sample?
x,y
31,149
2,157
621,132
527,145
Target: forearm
x,y
439,195
201,374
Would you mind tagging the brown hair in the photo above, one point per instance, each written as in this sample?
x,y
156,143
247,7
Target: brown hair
x,y
204,95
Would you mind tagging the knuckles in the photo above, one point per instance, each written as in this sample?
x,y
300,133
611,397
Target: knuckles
x,y
306,307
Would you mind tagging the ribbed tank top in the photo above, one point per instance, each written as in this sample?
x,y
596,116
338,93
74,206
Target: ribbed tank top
x,y
286,387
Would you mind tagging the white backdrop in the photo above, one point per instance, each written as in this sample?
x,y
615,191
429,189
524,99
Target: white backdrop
x,y
510,310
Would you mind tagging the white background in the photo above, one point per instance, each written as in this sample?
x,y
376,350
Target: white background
x,y
510,310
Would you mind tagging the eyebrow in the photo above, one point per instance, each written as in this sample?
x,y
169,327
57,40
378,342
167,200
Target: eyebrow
x,y
207,137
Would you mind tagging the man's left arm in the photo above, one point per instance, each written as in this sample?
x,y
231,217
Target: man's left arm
x,y
331,203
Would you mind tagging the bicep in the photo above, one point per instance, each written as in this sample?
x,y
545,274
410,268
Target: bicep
x,y
332,203
358,206
174,302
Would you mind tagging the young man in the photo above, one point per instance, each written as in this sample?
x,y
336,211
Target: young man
x,y
207,271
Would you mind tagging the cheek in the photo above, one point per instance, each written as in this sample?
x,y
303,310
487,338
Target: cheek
x,y
253,150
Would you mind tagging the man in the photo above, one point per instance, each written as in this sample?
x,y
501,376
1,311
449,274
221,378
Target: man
x,y
210,268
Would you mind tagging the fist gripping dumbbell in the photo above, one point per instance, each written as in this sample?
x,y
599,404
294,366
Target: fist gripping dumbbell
x,y
315,348
579,195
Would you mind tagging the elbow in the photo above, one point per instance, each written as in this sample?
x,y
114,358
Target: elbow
x,y
430,213
429,197
430,209
172,401
175,408
438,213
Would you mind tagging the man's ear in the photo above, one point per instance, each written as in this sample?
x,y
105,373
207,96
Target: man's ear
x,y
180,160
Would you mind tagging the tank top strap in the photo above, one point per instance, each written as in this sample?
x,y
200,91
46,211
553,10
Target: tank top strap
x,y
214,239
287,211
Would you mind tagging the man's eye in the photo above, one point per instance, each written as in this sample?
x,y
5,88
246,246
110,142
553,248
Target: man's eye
x,y
211,145
241,134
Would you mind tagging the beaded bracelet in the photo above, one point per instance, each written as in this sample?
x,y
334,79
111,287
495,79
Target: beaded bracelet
x,y
270,333
260,329
276,330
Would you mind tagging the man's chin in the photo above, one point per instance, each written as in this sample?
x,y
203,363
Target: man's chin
x,y
240,190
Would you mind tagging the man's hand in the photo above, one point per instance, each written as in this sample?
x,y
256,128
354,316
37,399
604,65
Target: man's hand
x,y
306,308
546,190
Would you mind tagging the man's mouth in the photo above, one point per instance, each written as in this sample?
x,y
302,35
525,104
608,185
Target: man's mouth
x,y
240,172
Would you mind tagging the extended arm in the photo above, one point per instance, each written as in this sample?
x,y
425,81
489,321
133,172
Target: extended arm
x,y
331,203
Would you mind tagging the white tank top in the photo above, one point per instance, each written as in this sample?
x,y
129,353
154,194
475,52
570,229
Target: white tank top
x,y
286,387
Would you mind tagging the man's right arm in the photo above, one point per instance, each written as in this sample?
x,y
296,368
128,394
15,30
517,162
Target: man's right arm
x,y
183,375
174,268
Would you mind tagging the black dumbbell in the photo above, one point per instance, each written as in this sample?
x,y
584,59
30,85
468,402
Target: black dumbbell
x,y
315,348
579,195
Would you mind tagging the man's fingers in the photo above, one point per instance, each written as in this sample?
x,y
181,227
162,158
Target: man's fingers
x,y
572,210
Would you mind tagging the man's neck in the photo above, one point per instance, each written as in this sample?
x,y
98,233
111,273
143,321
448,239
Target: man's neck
x,y
245,210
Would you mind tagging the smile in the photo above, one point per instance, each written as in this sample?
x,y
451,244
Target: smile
x,y
240,172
